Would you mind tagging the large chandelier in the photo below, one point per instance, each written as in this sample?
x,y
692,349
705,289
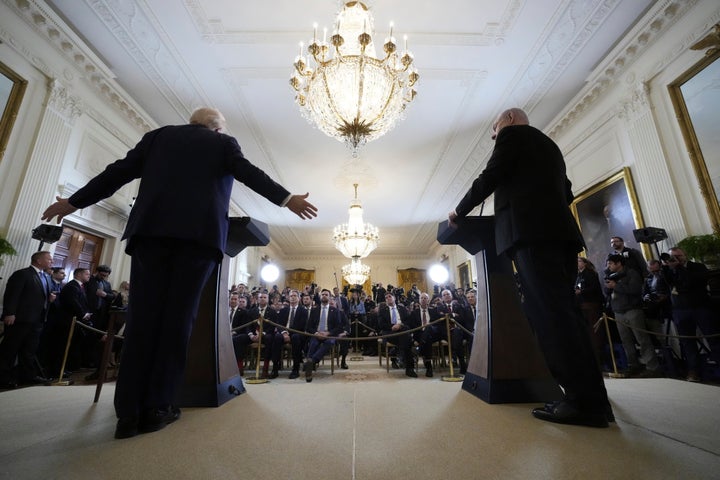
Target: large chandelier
x,y
355,273
355,239
352,95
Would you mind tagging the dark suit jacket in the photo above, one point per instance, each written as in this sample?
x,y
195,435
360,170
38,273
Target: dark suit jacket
x,y
163,208
73,302
270,314
532,192
25,297
384,320
300,320
334,321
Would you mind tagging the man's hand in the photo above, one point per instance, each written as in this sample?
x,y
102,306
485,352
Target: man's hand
x,y
61,208
9,319
452,216
301,207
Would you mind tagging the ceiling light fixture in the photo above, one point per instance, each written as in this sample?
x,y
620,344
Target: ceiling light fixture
x,y
356,239
352,95
355,273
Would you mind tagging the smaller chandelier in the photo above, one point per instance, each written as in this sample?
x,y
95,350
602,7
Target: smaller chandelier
x,y
355,239
349,93
355,273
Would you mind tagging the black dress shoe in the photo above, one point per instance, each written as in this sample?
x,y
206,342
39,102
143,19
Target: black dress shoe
x,y
38,380
395,364
157,418
565,412
308,369
609,415
294,374
429,372
344,366
126,427
274,374
410,373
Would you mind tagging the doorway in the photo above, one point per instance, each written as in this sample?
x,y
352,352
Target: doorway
x,y
77,248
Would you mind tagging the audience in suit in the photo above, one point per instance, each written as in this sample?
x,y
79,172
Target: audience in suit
x,y
294,317
272,337
421,316
25,305
324,322
394,318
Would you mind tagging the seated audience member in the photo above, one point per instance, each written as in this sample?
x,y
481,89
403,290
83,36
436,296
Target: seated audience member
x,y
271,336
324,322
691,310
626,301
294,317
421,316
394,318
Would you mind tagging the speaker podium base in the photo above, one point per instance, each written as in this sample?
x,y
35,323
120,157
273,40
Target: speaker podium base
x,y
505,364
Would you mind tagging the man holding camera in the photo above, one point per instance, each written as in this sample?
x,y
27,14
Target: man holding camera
x,y
626,287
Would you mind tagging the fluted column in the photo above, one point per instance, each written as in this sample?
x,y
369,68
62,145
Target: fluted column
x,y
39,185
650,170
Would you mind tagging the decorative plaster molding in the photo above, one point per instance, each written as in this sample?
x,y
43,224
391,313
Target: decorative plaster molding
x,y
214,31
664,15
60,100
86,64
637,103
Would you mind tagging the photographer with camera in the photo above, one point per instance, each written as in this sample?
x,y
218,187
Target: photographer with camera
x,y
625,286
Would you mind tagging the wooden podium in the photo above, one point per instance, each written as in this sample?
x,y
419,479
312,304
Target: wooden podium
x,y
505,364
211,376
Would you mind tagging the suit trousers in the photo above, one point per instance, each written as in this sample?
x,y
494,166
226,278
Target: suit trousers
x,y
547,275
21,341
167,279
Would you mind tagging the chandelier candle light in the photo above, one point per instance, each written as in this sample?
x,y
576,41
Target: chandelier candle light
x,y
355,239
352,95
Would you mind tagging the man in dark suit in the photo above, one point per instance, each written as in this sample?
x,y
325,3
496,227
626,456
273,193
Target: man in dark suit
x,y
456,312
324,322
271,337
393,318
422,316
239,320
25,305
536,229
178,226
74,304
294,317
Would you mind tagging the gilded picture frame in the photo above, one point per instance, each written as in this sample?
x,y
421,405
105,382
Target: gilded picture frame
x,y
696,99
12,89
609,208
465,279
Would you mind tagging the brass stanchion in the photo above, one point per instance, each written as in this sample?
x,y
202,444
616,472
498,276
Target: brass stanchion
x,y
356,358
60,382
451,377
257,379
614,373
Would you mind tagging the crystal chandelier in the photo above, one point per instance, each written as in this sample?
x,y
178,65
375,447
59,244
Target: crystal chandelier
x,y
352,95
355,239
355,273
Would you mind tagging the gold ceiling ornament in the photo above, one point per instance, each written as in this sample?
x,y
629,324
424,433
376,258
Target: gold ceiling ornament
x,y
351,94
355,272
356,239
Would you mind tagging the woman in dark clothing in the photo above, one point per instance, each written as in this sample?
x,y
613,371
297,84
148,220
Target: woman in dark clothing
x,y
589,297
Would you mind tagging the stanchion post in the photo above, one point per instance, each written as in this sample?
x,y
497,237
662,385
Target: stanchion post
x,y
257,379
60,382
451,377
107,348
614,373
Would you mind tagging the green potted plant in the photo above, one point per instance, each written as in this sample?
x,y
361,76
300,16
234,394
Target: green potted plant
x,y
5,249
702,248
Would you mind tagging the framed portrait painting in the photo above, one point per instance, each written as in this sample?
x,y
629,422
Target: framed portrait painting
x,y
12,88
608,209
